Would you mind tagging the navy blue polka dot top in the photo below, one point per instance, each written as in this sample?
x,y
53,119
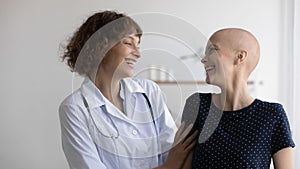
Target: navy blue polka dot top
x,y
246,138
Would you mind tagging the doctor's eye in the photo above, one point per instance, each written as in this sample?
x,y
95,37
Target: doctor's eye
x,y
127,43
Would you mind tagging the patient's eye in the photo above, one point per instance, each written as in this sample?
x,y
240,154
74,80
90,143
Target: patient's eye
x,y
211,50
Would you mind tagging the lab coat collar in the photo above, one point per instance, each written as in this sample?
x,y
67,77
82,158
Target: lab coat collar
x,y
91,93
131,85
95,98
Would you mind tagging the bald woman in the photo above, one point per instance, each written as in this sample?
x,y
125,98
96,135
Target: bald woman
x,y
237,130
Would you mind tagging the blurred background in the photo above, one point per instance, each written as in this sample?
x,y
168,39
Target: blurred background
x,y
35,81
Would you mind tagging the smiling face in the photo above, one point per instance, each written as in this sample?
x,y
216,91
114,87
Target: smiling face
x,y
121,58
218,61
230,56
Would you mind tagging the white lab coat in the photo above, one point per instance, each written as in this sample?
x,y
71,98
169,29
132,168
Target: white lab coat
x,y
87,135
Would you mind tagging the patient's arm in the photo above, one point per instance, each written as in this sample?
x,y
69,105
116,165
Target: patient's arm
x,y
283,159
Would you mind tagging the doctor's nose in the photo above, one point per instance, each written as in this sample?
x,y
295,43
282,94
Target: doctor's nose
x,y
137,52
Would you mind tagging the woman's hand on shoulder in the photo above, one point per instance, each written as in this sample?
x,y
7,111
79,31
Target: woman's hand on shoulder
x,y
182,147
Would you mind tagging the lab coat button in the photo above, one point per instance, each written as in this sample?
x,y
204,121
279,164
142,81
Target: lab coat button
x,y
134,132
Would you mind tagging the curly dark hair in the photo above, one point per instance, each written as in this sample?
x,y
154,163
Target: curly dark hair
x,y
95,37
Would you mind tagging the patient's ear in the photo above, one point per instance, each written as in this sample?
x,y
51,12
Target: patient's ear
x,y
241,57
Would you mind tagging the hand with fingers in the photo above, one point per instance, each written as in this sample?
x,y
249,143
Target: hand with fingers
x,y
181,148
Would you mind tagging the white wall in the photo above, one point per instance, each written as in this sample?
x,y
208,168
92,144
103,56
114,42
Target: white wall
x,y
34,81
296,72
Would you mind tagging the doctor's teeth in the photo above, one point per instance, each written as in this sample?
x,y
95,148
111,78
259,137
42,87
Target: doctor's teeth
x,y
129,62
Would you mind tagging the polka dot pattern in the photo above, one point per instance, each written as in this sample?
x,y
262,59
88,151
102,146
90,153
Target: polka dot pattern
x,y
245,138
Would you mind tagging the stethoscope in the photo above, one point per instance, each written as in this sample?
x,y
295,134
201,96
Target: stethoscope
x,y
115,137
113,124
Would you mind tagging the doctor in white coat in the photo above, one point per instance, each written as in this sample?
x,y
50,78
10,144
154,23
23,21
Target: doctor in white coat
x,y
113,120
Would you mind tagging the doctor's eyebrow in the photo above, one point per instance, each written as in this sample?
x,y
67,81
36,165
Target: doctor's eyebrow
x,y
134,39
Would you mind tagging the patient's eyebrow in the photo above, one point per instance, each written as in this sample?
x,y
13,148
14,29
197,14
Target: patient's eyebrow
x,y
210,46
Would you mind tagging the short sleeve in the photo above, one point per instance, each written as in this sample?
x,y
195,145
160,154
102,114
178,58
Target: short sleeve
x,y
190,113
191,109
281,136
